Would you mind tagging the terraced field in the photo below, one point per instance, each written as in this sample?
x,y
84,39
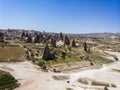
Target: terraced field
x,y
8,54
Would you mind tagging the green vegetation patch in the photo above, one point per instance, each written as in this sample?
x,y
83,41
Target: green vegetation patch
x,y
8,54
61,60
7,81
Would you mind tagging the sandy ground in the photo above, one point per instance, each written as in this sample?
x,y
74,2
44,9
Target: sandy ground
x,y
32,78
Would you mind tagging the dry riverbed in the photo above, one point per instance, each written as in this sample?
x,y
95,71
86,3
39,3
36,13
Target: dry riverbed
x,y
32,78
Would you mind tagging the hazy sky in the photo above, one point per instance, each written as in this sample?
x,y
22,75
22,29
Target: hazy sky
x,y
68,16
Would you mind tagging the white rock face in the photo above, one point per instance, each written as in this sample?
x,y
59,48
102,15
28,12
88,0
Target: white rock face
x,y
60,43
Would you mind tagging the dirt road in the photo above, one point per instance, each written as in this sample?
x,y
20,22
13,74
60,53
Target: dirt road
x,y
32,78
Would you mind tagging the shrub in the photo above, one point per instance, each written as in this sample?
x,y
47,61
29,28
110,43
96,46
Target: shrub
x,y
69,89
42,64
116,58
7,81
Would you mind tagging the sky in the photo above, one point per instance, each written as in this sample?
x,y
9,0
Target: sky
x,y
68,16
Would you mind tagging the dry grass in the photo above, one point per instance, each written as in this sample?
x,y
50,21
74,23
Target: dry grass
x,y
60,77
116,70
94,82
69,89
12,54
99,58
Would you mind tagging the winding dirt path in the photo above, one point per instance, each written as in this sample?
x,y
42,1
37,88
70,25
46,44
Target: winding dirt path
x,y
105,74
32,78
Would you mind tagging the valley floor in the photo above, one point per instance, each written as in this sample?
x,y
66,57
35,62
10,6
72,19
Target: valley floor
x,y
32,78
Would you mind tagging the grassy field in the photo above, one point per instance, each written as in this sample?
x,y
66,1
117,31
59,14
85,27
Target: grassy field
x,y
12,54
61,60
7,81
98,58
94,57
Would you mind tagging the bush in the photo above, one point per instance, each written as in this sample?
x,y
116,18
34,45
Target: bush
x,y
36,54
38,51
116,59
69,89
42,64
63,55
7,81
